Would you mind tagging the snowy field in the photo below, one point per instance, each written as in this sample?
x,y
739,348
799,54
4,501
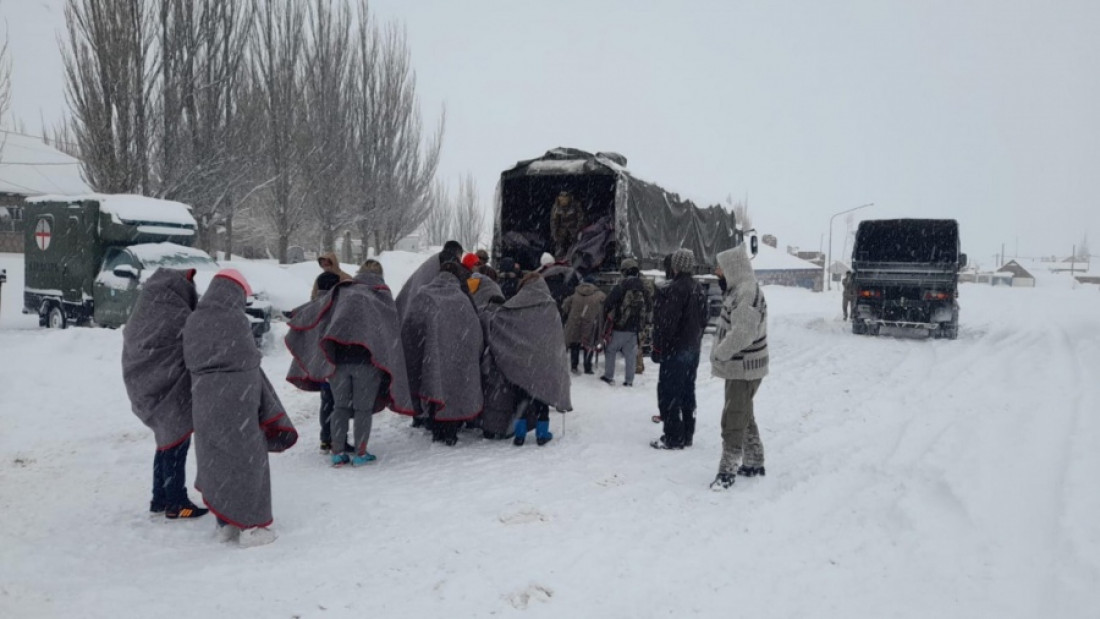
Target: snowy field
x,y
906,478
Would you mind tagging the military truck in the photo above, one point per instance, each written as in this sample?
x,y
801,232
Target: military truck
x,y
906,274
624,215
87,256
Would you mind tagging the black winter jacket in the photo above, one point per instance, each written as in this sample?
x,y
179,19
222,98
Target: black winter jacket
x,y
680,316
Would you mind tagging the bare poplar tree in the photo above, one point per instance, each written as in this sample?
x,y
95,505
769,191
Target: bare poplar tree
x,y
202,45
5,77
276,71
396,165
109,65
468,216
328,91
438,223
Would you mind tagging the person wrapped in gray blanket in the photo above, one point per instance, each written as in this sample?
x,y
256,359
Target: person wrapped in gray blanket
x,y
351,339
237,414
442,340
524,364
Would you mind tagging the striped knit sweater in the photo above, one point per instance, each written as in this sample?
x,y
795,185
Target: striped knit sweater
x,y
741,343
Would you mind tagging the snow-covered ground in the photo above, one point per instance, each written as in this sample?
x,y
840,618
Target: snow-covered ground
x,y
906,478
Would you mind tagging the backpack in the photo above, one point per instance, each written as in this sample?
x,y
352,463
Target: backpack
x,y
632,314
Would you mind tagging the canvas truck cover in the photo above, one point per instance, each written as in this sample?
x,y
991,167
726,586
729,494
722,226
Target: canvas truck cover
x,y
914,241
646,222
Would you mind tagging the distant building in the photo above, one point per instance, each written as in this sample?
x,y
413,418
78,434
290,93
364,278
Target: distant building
x,y
1021,277
777,268
770,240
28,167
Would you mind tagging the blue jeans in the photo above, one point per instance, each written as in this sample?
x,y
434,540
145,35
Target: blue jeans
x,y
169,477
676,396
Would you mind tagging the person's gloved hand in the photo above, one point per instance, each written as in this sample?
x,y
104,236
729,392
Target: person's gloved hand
x,y
655,355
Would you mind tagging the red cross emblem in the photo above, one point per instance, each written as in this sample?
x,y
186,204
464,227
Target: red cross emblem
x,y
42,234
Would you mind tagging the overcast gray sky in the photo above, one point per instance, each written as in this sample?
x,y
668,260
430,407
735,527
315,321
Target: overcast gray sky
x,y
987,111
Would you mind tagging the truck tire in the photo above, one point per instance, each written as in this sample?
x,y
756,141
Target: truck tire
x,y
949,331
55,318
859,328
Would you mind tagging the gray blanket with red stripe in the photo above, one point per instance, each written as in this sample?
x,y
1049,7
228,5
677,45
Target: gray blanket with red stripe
x,y
359,313
442,337
156,378
238,416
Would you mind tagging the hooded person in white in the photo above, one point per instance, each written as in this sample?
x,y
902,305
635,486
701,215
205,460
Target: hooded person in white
x,y
740,357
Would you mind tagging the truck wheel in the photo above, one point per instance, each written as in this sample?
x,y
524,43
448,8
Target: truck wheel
x,y
858,328
55,318
949,332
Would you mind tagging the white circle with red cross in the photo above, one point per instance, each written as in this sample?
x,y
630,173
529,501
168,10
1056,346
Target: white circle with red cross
x,y
42,234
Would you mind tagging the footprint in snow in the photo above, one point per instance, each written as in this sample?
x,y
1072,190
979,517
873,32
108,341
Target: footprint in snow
x,y
524,516
521,599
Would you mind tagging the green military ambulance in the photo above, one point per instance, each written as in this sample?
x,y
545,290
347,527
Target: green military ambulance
x,y
86,257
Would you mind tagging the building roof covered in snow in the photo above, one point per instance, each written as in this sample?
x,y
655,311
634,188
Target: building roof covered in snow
x,y
1016,269
31,168
769,258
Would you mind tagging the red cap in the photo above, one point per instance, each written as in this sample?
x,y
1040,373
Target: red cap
x,y
470,261
235,275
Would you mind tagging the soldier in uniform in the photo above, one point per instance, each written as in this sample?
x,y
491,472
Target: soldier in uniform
x,y
566,221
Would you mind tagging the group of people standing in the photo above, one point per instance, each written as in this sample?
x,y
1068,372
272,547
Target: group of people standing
x,y
461,345
454,349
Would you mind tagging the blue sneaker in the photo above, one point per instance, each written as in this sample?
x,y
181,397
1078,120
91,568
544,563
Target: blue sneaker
x,y
366,458
340,459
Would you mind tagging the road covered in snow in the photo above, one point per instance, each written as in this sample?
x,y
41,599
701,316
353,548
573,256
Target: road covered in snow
x,y
906,478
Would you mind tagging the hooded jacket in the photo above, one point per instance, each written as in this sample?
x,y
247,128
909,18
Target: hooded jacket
x,y
156,378
335,269
741,343
679,316
238,416
358,313
584,316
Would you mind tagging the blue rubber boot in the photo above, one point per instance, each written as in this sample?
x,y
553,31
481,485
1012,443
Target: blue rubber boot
x,y
521,432
542,433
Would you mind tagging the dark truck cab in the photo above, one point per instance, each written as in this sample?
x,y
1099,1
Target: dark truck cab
x,y
906,275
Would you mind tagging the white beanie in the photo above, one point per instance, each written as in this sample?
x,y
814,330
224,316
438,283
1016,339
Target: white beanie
x,y
546,259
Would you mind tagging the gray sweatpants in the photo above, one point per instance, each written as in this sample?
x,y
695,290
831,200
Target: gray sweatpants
x,y
354,390
740,437
625,342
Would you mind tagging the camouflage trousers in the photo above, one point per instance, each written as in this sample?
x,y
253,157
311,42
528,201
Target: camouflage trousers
x,y
741,443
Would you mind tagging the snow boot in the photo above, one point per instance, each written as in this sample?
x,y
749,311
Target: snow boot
x,y
542,433
339,460
724,481
750,471
366,458
662,443
156,508
607,380
256,536
521,432
187,510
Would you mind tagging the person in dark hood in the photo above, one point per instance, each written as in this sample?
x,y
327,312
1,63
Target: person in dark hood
x,y
159,384
678,323
351,339
583,312
238,416
425,274
442,339
740,357
626,308
508,277
524,364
